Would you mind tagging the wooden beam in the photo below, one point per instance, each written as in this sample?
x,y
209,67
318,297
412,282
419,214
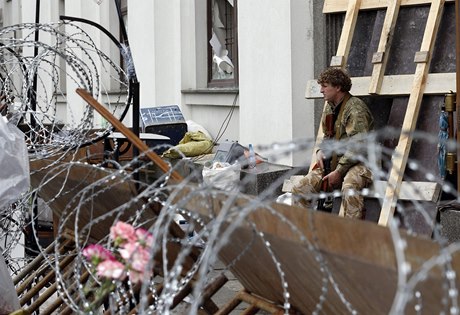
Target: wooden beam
x,y
337,6
383,50
393,85
348,29
401,153
416,191
138,143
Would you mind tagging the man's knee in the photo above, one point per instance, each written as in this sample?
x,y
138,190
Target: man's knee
x,y
308,184
358,177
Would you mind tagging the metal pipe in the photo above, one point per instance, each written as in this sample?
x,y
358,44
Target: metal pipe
x,y
33,92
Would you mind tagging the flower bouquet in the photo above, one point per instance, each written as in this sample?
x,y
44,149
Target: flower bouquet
x,y
128,258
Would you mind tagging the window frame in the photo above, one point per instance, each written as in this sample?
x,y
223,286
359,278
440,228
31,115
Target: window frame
x,y
222,83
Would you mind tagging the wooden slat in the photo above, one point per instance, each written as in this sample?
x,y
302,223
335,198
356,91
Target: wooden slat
x,y
417,190
336,6
420,191
33,265
383,50
348,29
259,303
401,153
48,278
393,85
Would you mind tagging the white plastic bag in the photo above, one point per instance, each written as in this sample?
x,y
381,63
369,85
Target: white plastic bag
x,y
9,301
14,173
222,175
285,198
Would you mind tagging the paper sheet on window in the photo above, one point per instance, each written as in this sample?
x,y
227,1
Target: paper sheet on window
x,y
220,55
224,64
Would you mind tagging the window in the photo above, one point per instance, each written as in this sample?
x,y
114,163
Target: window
x,y
222,43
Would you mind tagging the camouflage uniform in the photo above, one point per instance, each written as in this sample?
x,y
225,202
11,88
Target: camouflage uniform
x,y
354,118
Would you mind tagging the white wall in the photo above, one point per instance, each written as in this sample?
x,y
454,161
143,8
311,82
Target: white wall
x,y
12,12
167,52
218,113
302,56
155,40
107,17
141,21
274,68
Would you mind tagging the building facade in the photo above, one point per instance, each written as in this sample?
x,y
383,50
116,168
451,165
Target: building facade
x,y
237,68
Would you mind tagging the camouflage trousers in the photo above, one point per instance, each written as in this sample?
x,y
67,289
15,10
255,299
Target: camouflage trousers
x,y
357,178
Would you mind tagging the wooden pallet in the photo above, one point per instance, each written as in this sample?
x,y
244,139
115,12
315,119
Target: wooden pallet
x,y
39,291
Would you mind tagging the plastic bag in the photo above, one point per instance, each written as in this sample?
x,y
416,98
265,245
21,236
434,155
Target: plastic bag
x,y
223,176
194,127
9,301
14,173
285,198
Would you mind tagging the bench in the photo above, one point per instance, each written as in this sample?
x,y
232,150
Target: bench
x,y
410,190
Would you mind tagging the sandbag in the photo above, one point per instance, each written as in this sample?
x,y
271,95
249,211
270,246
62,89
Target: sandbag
x,y
193,144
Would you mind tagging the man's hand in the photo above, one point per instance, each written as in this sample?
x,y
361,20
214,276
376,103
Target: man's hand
x,y
320,158
334,179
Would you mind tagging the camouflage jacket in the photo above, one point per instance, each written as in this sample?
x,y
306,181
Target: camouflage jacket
x,y
354,119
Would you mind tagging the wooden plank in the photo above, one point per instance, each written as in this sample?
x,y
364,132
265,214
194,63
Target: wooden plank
x,y
383,50
138,143
336,6
54,178
420,191
348,29
436,84
417,190
344,244
401,153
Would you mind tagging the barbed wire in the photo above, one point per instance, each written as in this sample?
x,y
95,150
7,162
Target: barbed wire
x,y
88,193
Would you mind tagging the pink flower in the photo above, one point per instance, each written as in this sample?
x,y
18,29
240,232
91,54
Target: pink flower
x,y
122,232
144,237
111,269
137,259
97,253
140,259
135,255
135,276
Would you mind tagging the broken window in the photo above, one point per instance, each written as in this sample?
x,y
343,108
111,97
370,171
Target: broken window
x,y
222,48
